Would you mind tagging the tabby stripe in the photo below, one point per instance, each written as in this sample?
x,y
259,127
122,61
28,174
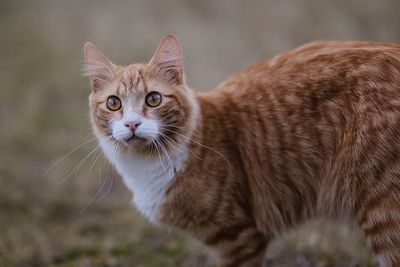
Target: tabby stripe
x,y
368,199
296,150
386,244
223,178
135,80
144,82
119,87
294,140
300,160
364,191
240,258
280,160
373,150
378,198
365,155
313,126
385,162
380,228
227,234
284,165
375,208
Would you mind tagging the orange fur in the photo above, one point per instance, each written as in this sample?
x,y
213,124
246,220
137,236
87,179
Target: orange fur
x,y
313,132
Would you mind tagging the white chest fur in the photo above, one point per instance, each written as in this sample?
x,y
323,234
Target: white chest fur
x,y
146,178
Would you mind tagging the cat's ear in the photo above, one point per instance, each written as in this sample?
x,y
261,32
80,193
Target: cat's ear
x,y
97,66
167,60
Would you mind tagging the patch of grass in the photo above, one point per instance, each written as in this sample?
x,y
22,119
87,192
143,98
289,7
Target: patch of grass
x,y
74,253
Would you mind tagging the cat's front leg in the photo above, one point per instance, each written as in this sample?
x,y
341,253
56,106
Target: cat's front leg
x,y
239,246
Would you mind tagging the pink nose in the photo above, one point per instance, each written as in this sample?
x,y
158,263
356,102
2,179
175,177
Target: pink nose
x,y
132,125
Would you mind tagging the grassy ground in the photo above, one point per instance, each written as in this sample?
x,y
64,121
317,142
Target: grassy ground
x,y
86,219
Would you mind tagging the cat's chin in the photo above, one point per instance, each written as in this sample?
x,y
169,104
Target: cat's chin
x,y
137,144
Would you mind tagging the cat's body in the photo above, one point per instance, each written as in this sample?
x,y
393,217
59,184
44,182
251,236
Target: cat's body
x,y
312,132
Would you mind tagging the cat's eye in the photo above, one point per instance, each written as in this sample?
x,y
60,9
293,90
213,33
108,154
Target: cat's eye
x,y
113,103
153,99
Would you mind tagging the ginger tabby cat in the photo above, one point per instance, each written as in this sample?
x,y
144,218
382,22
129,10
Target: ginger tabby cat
x,y
312,132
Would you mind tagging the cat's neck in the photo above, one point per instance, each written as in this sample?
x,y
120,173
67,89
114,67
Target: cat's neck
x,y
146,176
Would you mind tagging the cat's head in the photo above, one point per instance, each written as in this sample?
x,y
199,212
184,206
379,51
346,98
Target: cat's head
x,y
141,107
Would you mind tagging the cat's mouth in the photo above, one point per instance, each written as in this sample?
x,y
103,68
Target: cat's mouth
x,y
135,138
133,141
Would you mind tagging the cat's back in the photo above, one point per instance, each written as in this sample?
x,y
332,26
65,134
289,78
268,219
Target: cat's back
x,y
322,60
322,77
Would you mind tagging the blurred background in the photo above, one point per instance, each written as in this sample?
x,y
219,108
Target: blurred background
x,y
77,212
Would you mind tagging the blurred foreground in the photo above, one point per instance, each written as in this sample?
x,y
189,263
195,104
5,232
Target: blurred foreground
x,y
82,216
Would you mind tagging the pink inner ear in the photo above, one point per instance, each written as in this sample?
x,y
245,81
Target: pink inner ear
x,y
97,66
171,70
167,60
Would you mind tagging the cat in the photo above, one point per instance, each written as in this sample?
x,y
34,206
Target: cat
x,y
312,132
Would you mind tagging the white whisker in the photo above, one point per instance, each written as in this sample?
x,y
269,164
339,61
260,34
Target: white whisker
x,y
99,190
94,163
183,147
212,149
171,169
113,174
159,156
66,155
74,170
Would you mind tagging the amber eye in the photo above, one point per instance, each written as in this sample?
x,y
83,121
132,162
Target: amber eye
x,y
113,103
153,99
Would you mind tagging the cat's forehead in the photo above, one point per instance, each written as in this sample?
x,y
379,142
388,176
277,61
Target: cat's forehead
x,y
132,80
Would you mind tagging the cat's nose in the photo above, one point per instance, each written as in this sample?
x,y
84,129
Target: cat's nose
x,y
132,125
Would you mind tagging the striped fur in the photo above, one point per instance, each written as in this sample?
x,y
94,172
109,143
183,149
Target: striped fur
x,y
312,132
